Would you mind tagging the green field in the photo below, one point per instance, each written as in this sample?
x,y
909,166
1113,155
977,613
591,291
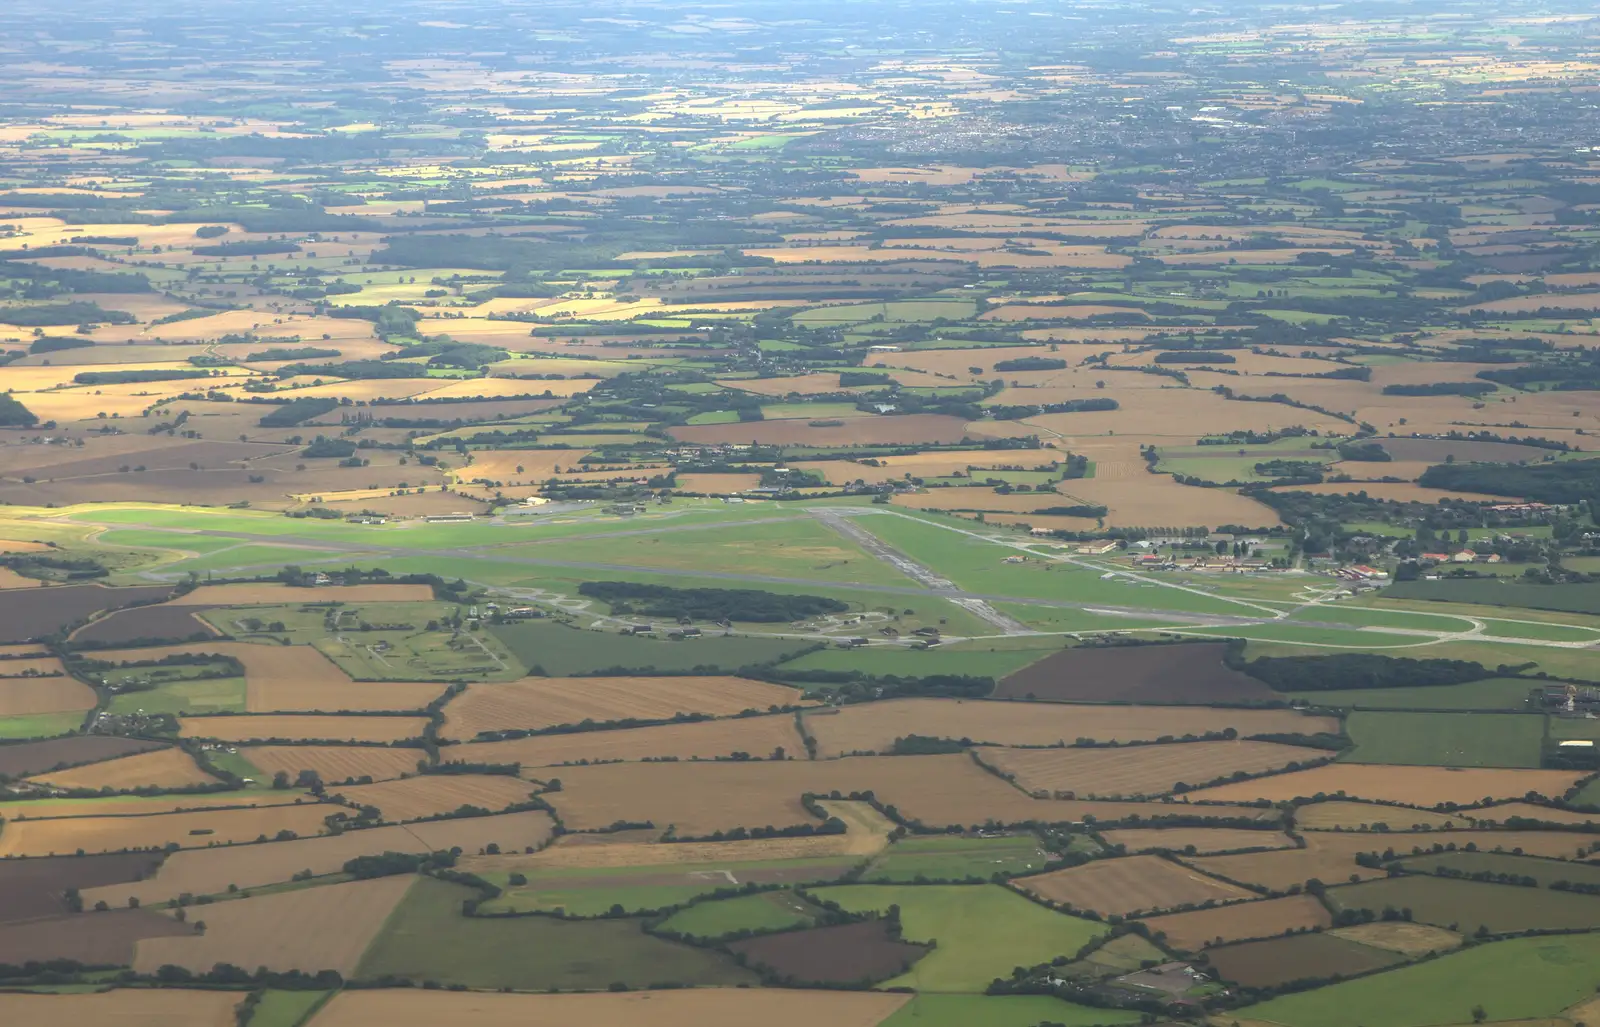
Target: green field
x,y
956,858
427,938
1570,598
562,651
1466,906
40,725
285,1008
765,911
1545,871
1516,979
1001,1011
983,931
211,695
1488,694
591,892
1446,739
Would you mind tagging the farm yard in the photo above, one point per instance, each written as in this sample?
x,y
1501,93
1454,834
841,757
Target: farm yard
x,y
689,519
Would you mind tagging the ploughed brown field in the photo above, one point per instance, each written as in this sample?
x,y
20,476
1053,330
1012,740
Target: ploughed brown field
x,y
104,938
247,594
873,727
136,1007
832,955
1129,885
334,763
759,737
1201,928
27,758
323,928
125,627
1263,964
1140,770
161,768
1414,786
692,1007
34,888
703,797
1187,673
30,612
534,703
211,871
263,727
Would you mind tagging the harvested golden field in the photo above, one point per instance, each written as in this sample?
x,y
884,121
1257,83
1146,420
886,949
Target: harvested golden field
x,y
298,678
1330,856
1138,771
126,805
334,763
21,696
1398,491
162,768
1202,928
1397,936
520,465
189,830
1500,814
702,797
1183,413
211,871
1414,786
31,666
792,385
534,703
250,594
760,737
1210,258
717,484
979,497
302,727
123,1007
1158,499
11,579
890,429
1353,816
867,834
692,1007
1130,884
873,727
1203,839
430,795
9,546
311,929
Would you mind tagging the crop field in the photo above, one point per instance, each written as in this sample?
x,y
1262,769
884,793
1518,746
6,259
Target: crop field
x,y
108,940
1505,811
1130,885
1467,906
982,930
1355,816
1266,964
20,697
757,737
594,891
1408,939
333,763
1543,871
950,1010
189,830
262,727
703,797
703,1007
873,727
161,768
126,1007
428,937
297,679
1522,978
430,795
327,928
1330,856
1416,786
1195,840
268,595
1267,918
535,703
1146,674
956,858
29,613
1139,771
212,871
843,954
1446,739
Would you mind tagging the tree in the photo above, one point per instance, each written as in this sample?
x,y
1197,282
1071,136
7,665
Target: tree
x,y
1479,1014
